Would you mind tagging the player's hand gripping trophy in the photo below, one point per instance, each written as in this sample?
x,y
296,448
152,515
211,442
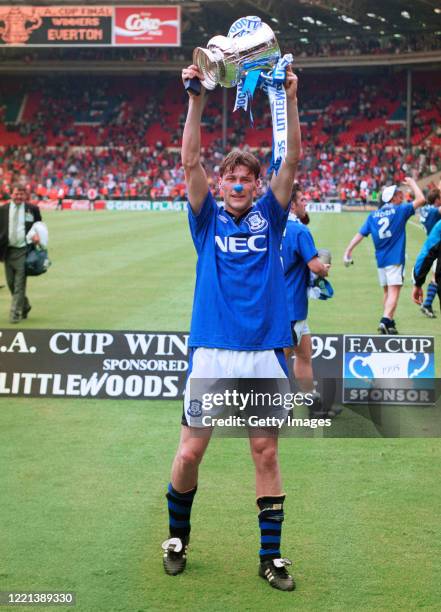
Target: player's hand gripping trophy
x,y
248,58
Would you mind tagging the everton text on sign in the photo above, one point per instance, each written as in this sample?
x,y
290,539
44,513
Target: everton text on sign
x,y
103,26
66,26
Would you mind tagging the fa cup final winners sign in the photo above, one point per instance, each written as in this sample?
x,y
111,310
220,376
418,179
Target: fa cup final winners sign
x,y
96,26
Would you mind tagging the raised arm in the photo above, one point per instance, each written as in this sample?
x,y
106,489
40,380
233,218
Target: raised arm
x,y
419,198
281,184
195,176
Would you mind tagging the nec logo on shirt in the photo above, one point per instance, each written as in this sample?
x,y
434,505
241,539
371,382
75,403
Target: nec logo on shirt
x,y
234,244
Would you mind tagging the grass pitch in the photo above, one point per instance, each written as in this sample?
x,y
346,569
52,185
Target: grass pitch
x,y
82,482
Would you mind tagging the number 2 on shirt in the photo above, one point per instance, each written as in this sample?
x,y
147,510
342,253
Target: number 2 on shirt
x,y
383,231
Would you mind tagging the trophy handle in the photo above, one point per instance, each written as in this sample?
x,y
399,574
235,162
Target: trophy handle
x,y
193,85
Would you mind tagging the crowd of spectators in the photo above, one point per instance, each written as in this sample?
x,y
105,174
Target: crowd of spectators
x,y
58,158
345,173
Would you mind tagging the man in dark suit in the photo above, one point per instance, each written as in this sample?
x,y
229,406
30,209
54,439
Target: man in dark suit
x,y
16,219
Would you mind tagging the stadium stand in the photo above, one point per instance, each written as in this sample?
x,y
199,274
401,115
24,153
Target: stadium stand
x,y
74,132
343,46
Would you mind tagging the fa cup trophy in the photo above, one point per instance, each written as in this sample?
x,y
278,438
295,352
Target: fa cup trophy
x,y
248,58
250,45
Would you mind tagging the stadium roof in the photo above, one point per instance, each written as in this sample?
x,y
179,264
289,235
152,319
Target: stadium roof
x,y
317,19
301,19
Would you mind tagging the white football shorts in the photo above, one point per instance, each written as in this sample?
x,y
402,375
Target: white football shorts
x,y
221,371
391,275
299,329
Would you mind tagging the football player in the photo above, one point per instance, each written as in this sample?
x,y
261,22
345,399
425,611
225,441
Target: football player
x,y
387,226
300,258
429,216
429,254
240,320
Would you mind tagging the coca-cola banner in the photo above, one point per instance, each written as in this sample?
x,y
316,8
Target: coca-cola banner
x,y
147,26
69,26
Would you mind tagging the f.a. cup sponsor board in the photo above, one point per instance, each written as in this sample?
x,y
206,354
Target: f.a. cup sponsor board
x,y
154,365
388,369
88,364
68,26
111,364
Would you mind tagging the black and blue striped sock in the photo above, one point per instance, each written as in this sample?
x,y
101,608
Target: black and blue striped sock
x,y
179,510
270,522
432,290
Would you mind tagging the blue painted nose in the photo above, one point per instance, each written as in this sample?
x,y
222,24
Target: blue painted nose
x,y
238,188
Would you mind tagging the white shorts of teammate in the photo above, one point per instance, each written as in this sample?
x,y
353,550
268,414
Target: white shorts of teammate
x,y
209,368
391,275
299,329
435,263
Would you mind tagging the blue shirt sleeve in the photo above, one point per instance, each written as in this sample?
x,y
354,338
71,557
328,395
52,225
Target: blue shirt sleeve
x,y
408,210
199,223
365,228
306,246
273,211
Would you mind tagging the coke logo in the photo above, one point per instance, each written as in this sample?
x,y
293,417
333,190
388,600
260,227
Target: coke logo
x,y
138,23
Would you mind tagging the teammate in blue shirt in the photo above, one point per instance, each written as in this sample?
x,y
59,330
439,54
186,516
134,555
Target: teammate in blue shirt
x,y
240,319
387,226
430,254
300,258
429,216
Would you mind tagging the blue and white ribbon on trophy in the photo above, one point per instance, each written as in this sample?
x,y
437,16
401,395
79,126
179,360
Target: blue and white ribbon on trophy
x,y
272,84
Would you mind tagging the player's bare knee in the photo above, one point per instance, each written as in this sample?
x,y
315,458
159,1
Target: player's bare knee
x,y
189,455
265,455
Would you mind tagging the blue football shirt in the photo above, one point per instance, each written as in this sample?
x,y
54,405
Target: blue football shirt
x,y
387,226
429,252
239,299
298,249
429,217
